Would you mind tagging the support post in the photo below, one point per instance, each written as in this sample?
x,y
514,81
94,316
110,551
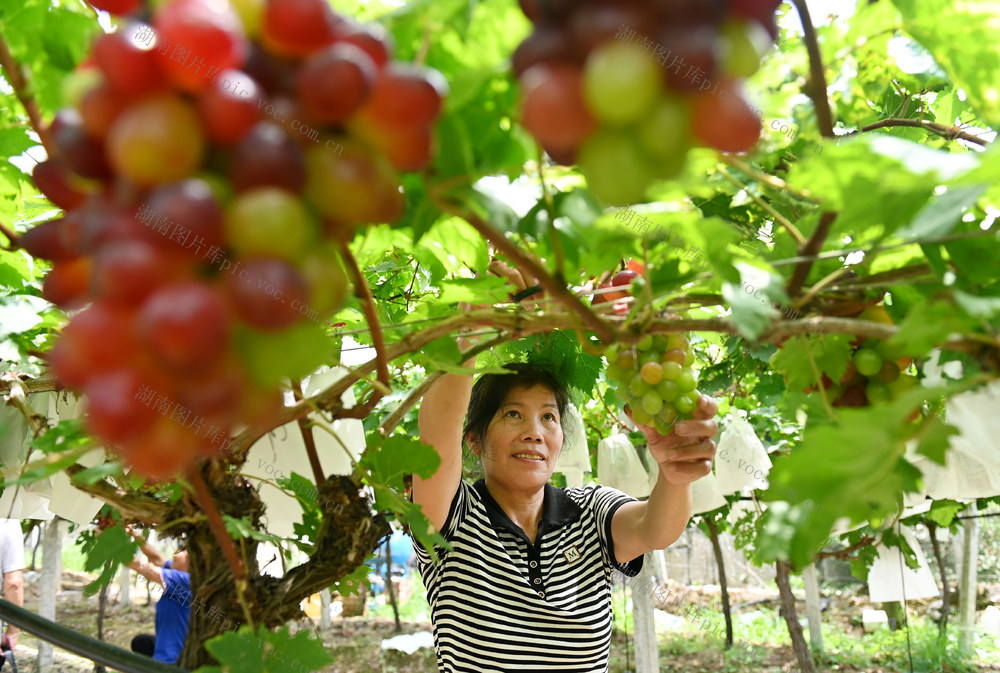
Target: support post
x,y
967,580
49,586
324,610
125,582
813,612
647,652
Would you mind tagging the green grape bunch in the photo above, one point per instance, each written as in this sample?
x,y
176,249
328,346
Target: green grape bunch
x,y
655,379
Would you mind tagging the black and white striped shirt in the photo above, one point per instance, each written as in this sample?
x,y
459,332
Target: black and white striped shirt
x,y
500,603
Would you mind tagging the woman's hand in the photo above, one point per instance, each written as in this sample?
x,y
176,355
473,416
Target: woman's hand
x,y
686,454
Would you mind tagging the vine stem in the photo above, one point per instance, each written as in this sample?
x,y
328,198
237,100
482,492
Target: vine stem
x,y
308,439
778,217
364,293
19,82
769,180
215,522
557,247
943,130
13,237
529,263
817,75
811,247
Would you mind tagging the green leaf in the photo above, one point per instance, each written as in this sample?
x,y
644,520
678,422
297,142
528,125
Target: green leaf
x,y
263,651
113,545
926,326
934,439
831,353
91,475
485,290
399,455
942,213
943,512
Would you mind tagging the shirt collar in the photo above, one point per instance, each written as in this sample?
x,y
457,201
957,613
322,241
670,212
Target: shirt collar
x,y
558,510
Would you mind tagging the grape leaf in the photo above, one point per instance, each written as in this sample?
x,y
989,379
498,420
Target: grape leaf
x,y
263,651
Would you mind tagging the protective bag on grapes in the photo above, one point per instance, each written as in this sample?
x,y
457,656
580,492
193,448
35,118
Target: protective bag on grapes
x,y
885,583
705,494
618,466
574,457
740,460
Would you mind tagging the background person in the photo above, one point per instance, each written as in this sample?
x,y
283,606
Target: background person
x,y
11,564
173,609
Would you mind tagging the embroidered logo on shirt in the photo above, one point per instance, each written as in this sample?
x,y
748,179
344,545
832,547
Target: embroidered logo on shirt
x,y
572,554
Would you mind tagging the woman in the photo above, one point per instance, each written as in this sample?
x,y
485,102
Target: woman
x,y
527,583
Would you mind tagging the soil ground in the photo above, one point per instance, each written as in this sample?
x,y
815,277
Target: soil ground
x,y
355,642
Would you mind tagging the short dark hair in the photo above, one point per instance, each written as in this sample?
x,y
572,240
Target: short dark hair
x,y
489,391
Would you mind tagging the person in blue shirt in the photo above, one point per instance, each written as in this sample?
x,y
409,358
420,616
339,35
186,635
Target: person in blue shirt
x,y
173,610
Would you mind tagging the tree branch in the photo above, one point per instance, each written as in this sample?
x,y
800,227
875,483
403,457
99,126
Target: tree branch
x,y
139,508
13,238
943,130
817,76
204,496
19,82
531,265
364,293
308,439
811,247
768,208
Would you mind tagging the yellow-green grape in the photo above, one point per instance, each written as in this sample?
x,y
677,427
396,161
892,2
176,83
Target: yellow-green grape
x,y
671,370
660,343
638,386
666,418
686,380
627,361
651,402
668,390
684,404
640,415
693,396
877,392
677,340
662,427
652,373
689,357
613,372
612,353
648,356
645,343
675,355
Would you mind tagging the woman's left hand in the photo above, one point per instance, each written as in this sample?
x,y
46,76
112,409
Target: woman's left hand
x,y
686,454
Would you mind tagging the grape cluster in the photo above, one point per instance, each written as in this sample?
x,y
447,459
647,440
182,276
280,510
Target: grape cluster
x,y
625,88
210,167
875,374
655,379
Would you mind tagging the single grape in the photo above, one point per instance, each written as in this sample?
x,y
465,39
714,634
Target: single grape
x,y
660,343
693,59
126,66
620,83
405,96
267,157
113,411
55,181
157,140
664,134
191,204
268,292
616,166
269,221
613,372
675,355
743,45
640,415
684,404
45,241
667,416
688,357
547,45
677,340
668,390
652,403
374,40
67,284
877,392
671,371
186,325
638,386
867,361
554,111
99,108
652,372
352,187
889,372
202,32
628,361
648,357
645,343
687,381
83,154
725,120
328,284
128,271
229,108
297,28
335,81
96,340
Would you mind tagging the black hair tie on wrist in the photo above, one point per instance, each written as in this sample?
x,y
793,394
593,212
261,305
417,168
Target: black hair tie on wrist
x,y
527,292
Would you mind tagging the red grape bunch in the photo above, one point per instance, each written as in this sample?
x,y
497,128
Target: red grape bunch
x,y
211,165
655,379
625,88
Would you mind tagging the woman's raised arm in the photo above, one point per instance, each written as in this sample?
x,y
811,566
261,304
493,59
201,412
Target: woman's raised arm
x,y
442,415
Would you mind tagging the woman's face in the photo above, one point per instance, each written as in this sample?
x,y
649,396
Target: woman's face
x,y
523,440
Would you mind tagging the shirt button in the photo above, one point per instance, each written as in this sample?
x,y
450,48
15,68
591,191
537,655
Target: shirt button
x,y
538,580
533,564
541,594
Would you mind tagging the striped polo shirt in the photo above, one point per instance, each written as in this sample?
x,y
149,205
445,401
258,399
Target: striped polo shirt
x,y
500,603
